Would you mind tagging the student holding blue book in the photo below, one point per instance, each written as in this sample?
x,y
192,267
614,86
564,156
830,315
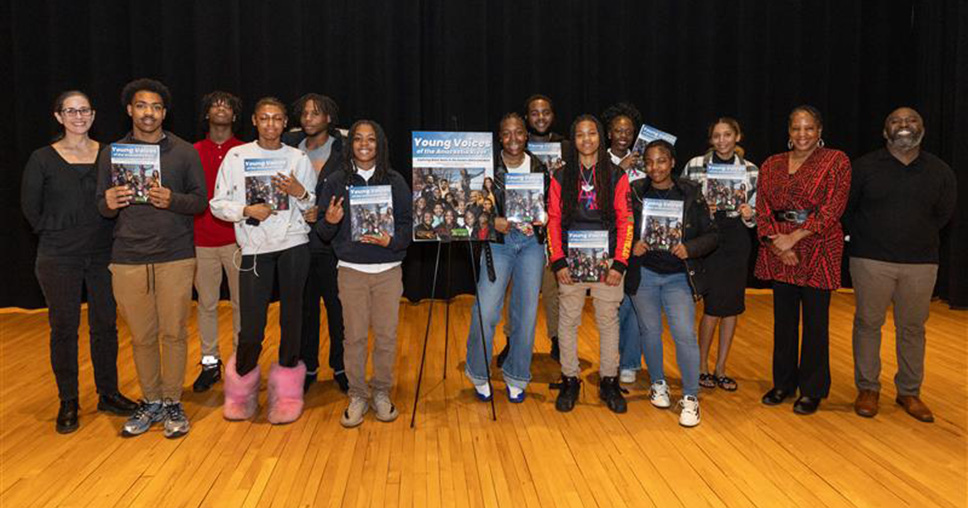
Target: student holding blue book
x,y
516,255
727,267
670,280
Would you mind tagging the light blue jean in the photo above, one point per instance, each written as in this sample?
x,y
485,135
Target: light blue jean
x,y
671,293
629,338
521,259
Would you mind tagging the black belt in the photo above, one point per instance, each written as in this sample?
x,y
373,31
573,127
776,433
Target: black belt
x,y
794,216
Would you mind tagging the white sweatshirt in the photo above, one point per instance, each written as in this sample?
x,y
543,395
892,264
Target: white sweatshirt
x,y
284,228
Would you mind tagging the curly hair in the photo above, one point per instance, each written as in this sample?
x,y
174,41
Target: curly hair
x,y
213,98
626,109
145,85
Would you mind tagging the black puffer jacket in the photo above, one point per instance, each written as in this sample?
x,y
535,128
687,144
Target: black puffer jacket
x,y
699,235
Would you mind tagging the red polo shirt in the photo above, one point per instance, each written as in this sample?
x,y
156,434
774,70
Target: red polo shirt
x,y
209,231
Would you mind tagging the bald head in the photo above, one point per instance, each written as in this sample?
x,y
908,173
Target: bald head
x,y
904,128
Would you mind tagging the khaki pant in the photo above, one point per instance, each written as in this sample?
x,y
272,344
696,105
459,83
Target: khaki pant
x,y
571,302
155,301
370,300
210,261
876,285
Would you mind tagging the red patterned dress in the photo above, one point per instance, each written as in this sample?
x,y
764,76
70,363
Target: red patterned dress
x,y
822,185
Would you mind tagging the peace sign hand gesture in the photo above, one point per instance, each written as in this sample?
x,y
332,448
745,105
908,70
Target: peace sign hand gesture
x,y
334,212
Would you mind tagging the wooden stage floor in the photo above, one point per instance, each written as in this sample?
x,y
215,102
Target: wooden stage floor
x,y
743,453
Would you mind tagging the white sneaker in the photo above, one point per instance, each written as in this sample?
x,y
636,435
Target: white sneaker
x,y
385,410
689,416
626,376
659,395
353,415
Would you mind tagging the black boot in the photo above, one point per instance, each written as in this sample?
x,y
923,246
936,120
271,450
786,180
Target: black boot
x,y
503,355
610,392
209,375
570,387
67,417
117,404
555,352
342,381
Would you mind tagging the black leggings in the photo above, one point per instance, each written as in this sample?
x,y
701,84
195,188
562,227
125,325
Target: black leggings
x,y
811,373
255,293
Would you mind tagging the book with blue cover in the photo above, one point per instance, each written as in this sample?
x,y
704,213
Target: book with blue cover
x,y
548,153
648,134
587,256
136,166
661,223
524,199
726,186
371,211
258,182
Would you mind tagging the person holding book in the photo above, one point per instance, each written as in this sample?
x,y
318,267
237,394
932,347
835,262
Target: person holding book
x,y
802,194
274,241
58,200
622,121
153,254
670,277
215,245
370,274
516,254
728,265
323,143
900,198
590,194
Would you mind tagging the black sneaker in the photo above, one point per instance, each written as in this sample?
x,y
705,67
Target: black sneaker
x,y
67,417
117,404
555,352
503,355
570,387
209,375
308,381
610,392
342,381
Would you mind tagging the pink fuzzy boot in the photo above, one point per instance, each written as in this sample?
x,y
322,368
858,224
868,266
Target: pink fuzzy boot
x,y
286,392
241,393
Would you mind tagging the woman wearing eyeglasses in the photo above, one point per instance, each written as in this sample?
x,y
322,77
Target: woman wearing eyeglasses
x,y
57,197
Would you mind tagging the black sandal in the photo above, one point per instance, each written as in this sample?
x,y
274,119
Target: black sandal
x,y
726,383
707,380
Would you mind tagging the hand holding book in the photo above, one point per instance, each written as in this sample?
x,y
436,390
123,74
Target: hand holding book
x,y
118,196
159,196
382,239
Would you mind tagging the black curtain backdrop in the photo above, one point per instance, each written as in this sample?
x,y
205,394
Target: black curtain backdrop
x,y
444,64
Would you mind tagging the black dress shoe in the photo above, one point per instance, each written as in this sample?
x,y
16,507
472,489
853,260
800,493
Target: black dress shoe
x,y
67,417
806,405
503,355
117,404
776,396
341,381
209,375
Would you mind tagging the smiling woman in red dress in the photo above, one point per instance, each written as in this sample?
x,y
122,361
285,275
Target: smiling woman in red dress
x,y
802,194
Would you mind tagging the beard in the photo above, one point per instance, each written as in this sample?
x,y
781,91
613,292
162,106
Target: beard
x,y
907,141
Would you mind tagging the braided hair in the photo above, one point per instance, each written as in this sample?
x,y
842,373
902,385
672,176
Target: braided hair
x,y
603,176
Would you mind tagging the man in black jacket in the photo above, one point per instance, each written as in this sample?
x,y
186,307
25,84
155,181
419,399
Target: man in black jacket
x,y
900,198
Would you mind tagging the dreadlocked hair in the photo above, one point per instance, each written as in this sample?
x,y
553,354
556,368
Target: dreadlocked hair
x,y
213,98
626,109
324,105
382,167
570,174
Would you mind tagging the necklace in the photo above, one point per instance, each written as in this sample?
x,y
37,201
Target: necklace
x,y
586,185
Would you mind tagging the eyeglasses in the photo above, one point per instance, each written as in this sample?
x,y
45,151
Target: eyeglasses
x,y
85,112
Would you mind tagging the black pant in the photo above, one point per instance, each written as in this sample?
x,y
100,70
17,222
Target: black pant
x,y
812,376
61,280
255,291
322,283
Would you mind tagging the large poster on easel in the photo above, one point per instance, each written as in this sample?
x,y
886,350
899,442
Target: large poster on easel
x,y
453,186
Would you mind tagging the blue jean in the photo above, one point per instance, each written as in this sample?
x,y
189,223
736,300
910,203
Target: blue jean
x,y
629,338
520,258
671,293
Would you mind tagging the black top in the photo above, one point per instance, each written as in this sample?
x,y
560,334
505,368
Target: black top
x,y
58,200
663,261
895,212
144,234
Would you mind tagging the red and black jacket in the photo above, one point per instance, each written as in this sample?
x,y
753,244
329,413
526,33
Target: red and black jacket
x,y
620,230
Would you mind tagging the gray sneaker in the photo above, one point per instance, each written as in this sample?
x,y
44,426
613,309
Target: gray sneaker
x,y
385,410
147,414
176,423
353,415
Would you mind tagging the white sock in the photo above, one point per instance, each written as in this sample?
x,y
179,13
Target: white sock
x,y
483,389
514,392
209,360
